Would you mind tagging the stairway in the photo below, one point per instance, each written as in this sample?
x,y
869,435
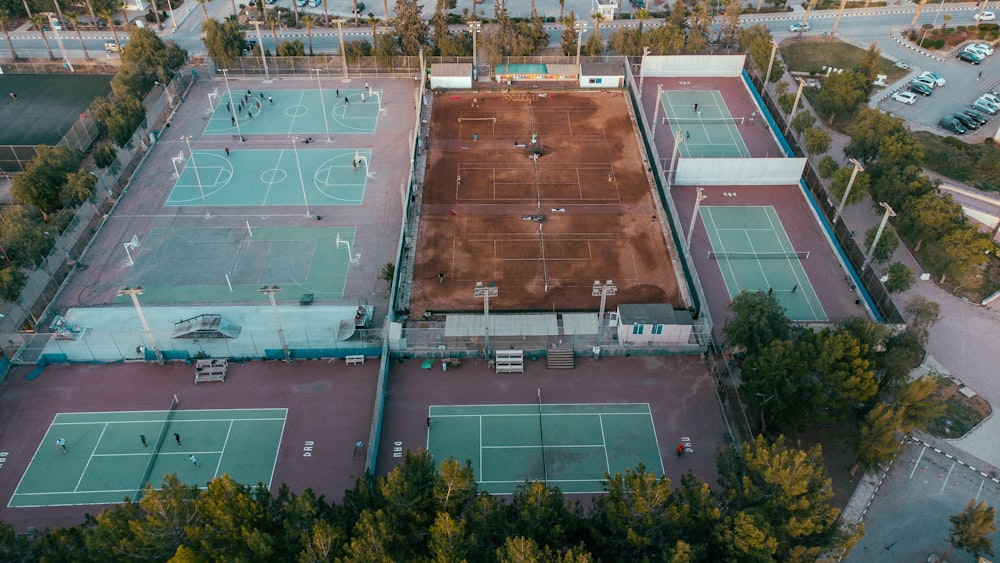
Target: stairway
x,y
560,359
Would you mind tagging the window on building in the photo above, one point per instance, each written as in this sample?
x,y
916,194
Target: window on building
x,y
637,329
657,329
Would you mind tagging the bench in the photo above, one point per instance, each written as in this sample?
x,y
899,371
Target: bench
x,y
210,370
357,359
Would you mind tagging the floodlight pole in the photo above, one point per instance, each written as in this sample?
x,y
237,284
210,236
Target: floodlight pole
x,y
474,28
672,172
878,234
134,293
579,27
232,104
270,291
197,175
795,106
694,215
656,108
770,63
642,69
604,290
485,292
60,42
260,45
850,184
322,103
298,166
340,37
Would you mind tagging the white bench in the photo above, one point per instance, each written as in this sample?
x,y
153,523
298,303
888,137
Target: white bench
x,y
210,370
356,359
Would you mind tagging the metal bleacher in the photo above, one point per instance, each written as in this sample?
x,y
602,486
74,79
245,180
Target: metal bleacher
x,y
206,326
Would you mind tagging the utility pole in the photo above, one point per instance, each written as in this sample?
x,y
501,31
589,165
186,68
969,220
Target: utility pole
x,y
260,45
795,106
475,26
270,291
134,293
580,27
850,184
602,290
340,37
694,216
484,292
878,234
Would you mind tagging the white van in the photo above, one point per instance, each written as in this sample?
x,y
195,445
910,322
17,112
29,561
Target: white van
x,y
112,47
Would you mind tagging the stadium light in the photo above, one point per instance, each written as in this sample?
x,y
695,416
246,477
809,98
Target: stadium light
x,y
270,291
134,293
197,175
485,292
322,103
847,192
603,290
298,166
700,197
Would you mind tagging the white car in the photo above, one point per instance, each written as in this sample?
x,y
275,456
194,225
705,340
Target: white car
x,y
986,17
798,26
905,97
929,82
984,48
975,50
938,81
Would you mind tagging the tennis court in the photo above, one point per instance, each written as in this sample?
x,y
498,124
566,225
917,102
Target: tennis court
x,y
702,121
295,112
46,106
571,446
105,461
754,253
270,177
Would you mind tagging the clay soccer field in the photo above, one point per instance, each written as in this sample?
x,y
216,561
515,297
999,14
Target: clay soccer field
x,y
542,229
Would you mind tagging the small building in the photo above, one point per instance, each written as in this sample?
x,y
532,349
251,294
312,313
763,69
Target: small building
x,y
535,72
645,324
601,75
607,8
451,76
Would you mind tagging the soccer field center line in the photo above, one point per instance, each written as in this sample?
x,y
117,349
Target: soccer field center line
x,y
89,459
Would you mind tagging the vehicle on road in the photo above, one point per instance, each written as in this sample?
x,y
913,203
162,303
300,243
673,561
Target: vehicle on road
x,y
798,27
112,47
986,17
938,81
920,88
905,97
970,57
952,124
966,121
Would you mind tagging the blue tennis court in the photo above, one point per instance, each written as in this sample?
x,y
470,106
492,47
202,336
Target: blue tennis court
x,y
571,446
103,458
703,123
296,112
271,177
754,253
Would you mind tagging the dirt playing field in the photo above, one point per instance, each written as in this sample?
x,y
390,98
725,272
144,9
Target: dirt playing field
x,y
543,230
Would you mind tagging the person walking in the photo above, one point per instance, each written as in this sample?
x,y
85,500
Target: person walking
x,y
358,447
232,120
680,450
194,461
355,163
227,151
142,438
346,101
338,92
177,437
696,108
270,100
13,96
428,422
61,444
440,278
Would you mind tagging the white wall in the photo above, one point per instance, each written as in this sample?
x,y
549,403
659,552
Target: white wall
x,y
606,82
460,82
739,171
685,66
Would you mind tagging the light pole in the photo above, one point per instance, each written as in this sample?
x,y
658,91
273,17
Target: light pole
x,y
474,27
580,27
850,184
322,103
602,290
933,25
232,104
672,172
260,45
134,293
656,108
62,48
642,69
694,215
197,175
340,37
878,234
795,105
298,167
770,63
270,291
485,292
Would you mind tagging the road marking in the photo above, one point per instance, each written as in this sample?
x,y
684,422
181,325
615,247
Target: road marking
x,y
947,477
921,456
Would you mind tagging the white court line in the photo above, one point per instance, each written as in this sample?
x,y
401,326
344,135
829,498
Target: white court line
x,y
947,477
793,262
921,456
89,459
137,421
277,448
604,440
707,214
224,444
760,266
547,446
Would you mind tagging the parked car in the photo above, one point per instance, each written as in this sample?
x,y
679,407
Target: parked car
x,y
982,105
920,88
986,17
315,3
798,26
938,81
975,50
984,47
952,124
905,97
301,3
966,121
970,57
992,98
982,119
984,100
929,82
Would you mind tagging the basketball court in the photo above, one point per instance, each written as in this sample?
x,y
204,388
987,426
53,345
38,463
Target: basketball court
x,y
703,123
104,459
754,253
294,112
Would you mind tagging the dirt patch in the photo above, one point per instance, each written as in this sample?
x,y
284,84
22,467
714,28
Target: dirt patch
x,y
961,414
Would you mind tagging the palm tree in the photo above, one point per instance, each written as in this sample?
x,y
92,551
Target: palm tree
x,y
39,21
308,21
26,8
356,11
72,18
93,17
4,18
562,8
106,14
598,19
272,20
121,8
236,13
642,14
373,21
156,12
204,9
385,6
295,6
533,12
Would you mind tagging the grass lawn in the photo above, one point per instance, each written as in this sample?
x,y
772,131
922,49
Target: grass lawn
x,y
974,164
811,54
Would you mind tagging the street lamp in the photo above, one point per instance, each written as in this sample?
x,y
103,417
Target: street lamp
x,y
322,103
232,104
134,293
694,215
475,26
878,234
340,37
270,291
795,104
260,45
642,69
197,175
602,290
850,184
485,292
298,166
580,27
672,172
59,40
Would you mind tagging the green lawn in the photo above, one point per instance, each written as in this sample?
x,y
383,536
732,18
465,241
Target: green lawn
x,y
977,164
812,54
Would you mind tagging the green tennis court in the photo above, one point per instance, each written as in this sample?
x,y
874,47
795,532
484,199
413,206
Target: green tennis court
x,y
46,106
571,446
271,177
755,254
295,112
703,123
105,461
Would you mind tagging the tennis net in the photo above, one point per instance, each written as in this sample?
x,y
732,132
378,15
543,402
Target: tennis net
x,y
756,255
156,446
707,120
